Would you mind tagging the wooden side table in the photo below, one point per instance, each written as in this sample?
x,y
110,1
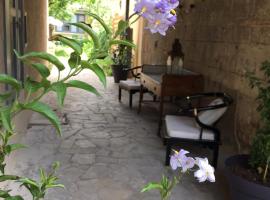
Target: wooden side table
x,y
169,85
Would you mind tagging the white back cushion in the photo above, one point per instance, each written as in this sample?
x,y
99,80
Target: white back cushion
x,y
209,117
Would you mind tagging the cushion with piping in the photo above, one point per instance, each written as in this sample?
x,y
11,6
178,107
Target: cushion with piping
x,y
209,117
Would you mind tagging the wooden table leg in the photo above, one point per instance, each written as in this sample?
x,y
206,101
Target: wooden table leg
x,y
141,99
160,115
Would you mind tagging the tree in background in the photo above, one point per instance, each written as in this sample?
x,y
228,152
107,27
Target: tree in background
x,y
64,9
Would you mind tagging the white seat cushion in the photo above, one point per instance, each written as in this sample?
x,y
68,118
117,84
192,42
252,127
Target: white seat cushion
x,y
185,127
130,84
209,117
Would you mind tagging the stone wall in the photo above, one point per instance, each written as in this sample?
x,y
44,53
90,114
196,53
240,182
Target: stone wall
x,y
1,38
220,39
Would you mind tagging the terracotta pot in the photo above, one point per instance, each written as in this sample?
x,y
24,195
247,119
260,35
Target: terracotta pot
x,y
242,189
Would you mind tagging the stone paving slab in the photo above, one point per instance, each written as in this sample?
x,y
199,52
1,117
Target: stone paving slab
x,y
107,151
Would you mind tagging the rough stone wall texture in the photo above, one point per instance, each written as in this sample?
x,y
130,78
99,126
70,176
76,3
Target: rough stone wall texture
x,y
1,38
220,39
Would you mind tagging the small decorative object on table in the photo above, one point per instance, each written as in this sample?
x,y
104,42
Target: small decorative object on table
x,y
203,171
175,58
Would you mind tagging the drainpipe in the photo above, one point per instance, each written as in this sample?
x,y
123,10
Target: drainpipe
x,y
127,9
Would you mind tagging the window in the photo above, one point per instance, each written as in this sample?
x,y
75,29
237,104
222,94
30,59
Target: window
x,y
66,28
80,18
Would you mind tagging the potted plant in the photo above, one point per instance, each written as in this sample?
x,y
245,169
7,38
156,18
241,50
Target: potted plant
x,y
248,175
122,59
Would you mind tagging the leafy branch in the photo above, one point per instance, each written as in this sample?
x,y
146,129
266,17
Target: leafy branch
x,y
260,149
35,90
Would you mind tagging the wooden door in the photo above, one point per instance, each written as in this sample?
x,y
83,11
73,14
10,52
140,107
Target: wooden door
x,y
14,36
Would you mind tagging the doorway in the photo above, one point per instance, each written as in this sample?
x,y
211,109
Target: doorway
x,y
15,38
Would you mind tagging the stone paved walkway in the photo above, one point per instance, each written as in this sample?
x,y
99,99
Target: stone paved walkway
x,y
107,152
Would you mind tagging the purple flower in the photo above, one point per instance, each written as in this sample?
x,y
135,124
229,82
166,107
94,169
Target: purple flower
x,y
174,162
173,3
172,19
162,7
176,159
144,7
159,23
187,163
160,14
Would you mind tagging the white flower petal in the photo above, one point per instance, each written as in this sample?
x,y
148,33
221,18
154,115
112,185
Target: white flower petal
x,y
199,173
211,177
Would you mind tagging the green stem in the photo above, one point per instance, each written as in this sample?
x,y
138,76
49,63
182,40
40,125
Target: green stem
x,y
132,16
265,172
28,95
58,78
135,20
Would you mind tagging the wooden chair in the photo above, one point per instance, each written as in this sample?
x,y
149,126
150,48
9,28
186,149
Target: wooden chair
x,y
200,127
131,85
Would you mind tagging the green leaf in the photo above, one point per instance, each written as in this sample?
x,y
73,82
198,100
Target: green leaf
x,y
14,198
31,85
45,83
104,41
42,69
74,60
8,178
4,193
2,168
99,55
101,21
46,111
97,70
56,166
29,182
6,119
152,186
16,146
42,55
122,26
90,32
61,91
42,175
69,42
5,96
123,42
82,85
6,79
55,186
60,53
7,150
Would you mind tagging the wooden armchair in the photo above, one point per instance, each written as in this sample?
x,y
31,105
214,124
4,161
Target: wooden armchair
x,y
200,127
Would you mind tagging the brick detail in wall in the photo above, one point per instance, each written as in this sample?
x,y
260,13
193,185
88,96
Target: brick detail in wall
x,y
220,40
